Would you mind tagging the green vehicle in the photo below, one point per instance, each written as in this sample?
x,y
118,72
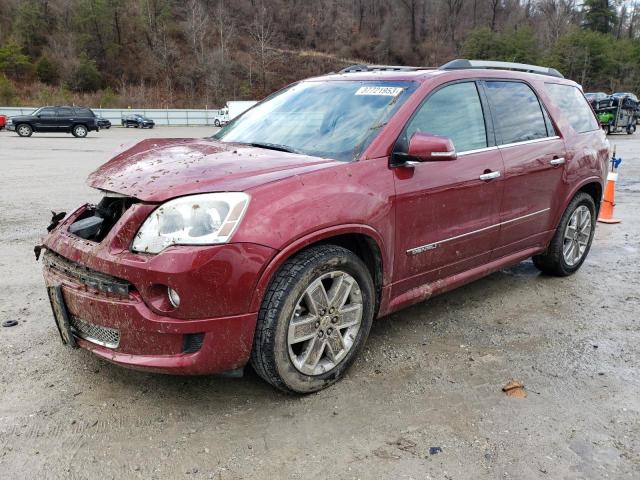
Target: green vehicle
x,y
619,117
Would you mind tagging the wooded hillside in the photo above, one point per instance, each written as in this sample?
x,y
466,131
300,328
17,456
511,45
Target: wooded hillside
x,y
196,53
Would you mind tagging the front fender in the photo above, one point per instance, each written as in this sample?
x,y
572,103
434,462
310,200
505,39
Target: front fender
x,y
294,247
291,213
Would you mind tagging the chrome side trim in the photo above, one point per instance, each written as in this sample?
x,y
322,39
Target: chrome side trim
x,y
431,246
477,150
443,154
507,145
524,216
526,142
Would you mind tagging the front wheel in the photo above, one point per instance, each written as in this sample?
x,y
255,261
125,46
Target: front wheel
x,y
216,122
314,319
24,130
631,128
572,240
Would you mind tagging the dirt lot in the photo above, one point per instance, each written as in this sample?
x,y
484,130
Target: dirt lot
x,y
424,402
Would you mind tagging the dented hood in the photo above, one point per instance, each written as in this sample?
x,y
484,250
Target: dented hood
x,y
155,170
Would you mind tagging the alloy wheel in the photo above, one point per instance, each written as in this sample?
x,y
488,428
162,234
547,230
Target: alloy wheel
x,y
576,235
24,131
325,323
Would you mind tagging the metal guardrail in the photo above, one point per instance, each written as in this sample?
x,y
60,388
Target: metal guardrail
x,y
175,117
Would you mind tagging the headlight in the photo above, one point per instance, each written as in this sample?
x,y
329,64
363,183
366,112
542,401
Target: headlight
x,y
205,219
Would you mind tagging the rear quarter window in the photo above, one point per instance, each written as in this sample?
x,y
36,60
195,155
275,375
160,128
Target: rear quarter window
x,y
574,106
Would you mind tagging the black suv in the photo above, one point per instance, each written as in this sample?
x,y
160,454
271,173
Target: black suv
x,y
137,121
75,120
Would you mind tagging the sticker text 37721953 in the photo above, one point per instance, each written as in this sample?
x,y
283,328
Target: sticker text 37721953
x,y
385,91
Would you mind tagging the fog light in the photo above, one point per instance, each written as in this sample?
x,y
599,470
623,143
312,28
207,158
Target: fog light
x,y
174,298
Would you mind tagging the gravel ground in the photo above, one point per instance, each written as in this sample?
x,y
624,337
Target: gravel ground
x,y
423,402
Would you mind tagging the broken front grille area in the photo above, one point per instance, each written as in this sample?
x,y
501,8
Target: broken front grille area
x,y
86,276
105,336
97,220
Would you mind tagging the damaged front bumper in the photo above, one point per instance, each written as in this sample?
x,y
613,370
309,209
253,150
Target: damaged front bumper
x,y
118,307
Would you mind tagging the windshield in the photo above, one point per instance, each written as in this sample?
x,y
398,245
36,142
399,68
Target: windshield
x,y
333,119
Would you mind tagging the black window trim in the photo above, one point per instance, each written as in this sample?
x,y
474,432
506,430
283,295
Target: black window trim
x,y
548,120
487,115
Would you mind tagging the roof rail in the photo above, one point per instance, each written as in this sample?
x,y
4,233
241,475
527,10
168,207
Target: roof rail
x,y
379,68
461,64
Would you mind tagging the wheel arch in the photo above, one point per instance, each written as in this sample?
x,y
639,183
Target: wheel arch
x,y
594,189
592,186
362,240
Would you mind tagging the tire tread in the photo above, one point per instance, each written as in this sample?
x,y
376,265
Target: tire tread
x,y
261,360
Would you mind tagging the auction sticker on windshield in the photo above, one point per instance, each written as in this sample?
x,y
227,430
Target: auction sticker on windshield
x,y
386,91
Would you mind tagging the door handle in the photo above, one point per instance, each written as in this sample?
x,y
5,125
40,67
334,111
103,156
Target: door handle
x,y
557,161
490,175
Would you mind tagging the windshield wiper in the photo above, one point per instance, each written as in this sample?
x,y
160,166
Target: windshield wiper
x,y
273,146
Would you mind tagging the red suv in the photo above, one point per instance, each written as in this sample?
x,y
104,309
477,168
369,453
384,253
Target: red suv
x,y
337,200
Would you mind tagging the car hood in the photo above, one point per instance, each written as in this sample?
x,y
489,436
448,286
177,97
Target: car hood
x,y
156,170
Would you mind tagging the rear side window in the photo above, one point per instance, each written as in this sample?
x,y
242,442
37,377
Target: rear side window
x,y
85,112
517,111
454,111
65,112
47,112
574,106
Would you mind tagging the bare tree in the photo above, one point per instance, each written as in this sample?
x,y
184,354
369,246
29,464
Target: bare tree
x,y
225,29
197,28
411,7
557,15
262,33
495,5
454,7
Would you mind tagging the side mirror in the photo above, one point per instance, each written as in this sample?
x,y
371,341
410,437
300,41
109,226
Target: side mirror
x,y
424,147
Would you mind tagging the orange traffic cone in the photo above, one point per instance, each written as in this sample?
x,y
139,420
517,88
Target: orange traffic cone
x,y
608,202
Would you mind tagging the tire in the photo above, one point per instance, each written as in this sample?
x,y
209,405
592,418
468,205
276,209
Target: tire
x,y
24,130
283,363
216,122
561,257
631,128
79,131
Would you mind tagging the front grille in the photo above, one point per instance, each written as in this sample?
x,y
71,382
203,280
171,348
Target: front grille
x,y
86,276
105,336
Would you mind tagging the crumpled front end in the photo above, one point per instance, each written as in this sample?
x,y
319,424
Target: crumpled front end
x,y
118,305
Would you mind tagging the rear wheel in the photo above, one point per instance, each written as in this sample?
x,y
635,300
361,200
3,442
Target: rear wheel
x,y
572,240
79,131
631,128
216,122
314,320
24,130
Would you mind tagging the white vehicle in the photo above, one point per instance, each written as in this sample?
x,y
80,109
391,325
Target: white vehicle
x,y
232,110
